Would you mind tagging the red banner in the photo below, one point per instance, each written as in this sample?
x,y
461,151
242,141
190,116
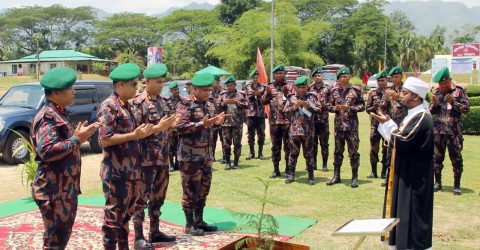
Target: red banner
x,y
262,73
466,49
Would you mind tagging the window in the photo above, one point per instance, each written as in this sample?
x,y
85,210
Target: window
x,y
84,96
14,69
53,65
104,91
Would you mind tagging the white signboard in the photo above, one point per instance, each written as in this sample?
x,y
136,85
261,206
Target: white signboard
x,y
438,64
367,227
462,66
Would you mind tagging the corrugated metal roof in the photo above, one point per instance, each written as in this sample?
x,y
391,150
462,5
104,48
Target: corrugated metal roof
x,y
58,55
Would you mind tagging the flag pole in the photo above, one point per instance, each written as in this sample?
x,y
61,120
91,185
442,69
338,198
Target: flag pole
x,y
271,40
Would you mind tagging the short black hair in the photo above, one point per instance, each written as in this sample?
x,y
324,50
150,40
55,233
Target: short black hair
x,y
48,92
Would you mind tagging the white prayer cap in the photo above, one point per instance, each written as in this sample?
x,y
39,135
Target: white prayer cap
x,y
417,86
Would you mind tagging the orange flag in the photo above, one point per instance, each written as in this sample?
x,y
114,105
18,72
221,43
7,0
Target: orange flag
x,y
262,73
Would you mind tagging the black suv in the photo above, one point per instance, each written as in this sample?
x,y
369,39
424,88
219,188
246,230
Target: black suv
x,y
20,103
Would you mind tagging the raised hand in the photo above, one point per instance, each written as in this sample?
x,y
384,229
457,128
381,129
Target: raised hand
x,y
84,131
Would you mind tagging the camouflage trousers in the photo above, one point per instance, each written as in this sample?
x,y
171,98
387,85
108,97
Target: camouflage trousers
x,y
173,144
232,135
120,199
306,142
196,181
321,136
279,133
153,190
351,137
455,146
58,218
376,140
256,125
217,132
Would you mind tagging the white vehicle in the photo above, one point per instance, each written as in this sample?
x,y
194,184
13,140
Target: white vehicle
x,y
372,83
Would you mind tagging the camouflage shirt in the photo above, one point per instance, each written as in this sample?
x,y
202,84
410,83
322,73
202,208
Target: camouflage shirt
x,y
395,109
255,103
277,98
353,98
121,161
374,97
57,154
236,110
447,118
300,122
215,98
195,141
172,102
324,97
154,149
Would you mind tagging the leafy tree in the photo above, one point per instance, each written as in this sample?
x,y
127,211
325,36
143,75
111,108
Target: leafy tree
x,y
465,34
231,10
130,56
325,10
135,32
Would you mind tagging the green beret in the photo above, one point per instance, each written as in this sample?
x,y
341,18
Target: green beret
x,y
253,73
280,67
301,81
202,80
230,79
442,75
155,71
317,70
344,70
396,71
125,72
173,85
381,74
216,77
58,78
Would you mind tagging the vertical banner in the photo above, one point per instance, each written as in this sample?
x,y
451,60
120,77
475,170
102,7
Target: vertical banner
x,y
438,64
154,55
262,73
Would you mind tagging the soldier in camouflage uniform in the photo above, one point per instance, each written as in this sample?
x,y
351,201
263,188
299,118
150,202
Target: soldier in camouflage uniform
x,y
392,105
373,105
56,185
322,130
255,115
150,108
348,101
232,102
449,101
195,152
217,130
300,108
172,102
276,95
120,169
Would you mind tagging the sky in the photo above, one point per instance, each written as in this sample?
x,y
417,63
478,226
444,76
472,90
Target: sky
x,y
141,6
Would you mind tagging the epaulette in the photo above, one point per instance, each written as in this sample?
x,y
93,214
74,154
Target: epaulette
x,y
48,113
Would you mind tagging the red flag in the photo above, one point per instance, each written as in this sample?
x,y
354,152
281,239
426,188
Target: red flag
x,y
365,78
262,73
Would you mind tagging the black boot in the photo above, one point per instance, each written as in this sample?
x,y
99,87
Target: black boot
x,y
314,164
235,163
227,163
252,153
177,165
200,223
456,184
190,228
373,174
140,242
155,235
311,179
336,176
223,161
354,177
324,167
260,152
172,164
383,174
276,171
290,174
438,182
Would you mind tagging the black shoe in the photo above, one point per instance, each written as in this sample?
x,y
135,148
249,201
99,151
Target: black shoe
x,y
161,237
235,166
324,168
311,182
275,175
250,156
171,168
205,227
383,175
194,231
289,178
384,183
333,181
223,161
437,187
228,166
372,175
260,157
457,191
142,244
354,182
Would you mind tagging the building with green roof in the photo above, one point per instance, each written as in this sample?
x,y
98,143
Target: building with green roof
x,y
48,59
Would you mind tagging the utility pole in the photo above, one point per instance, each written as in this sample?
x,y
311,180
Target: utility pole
x,y
385,51
271,40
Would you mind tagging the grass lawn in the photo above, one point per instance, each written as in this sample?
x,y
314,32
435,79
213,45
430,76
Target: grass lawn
x,y
456,222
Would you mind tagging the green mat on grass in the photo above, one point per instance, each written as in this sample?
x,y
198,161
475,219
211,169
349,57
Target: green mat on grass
x,y
173,213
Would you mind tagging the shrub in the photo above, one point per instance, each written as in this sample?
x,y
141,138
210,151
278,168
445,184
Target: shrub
x,y
471,121
474,101
473,90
